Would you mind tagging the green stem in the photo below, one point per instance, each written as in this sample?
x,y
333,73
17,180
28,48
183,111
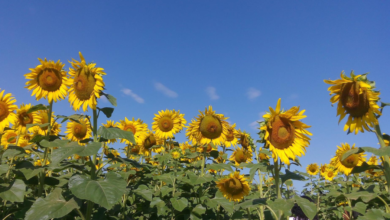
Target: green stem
x,y
276,166
260,186
385,159
203,160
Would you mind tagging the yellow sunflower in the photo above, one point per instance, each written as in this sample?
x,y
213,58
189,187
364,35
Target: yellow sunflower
x,y
345,166
241,155
323,168
86,84
55,129
285,135
7,108
263,156
208,148
44,118
312,169
23,118
208,127
231,136
183,121
110,124
8,137
243,140
138,128
234,187
330,173
48,80
355,97
167,123
175,154
78,131
372,161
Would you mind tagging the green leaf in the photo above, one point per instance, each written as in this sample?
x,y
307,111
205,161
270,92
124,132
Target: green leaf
x,y
165,190
307,207
179,204
364,195
73,148
219,166
111,99
75,118
168,178
383,104
105,192
282,205
291,176
214,154
253,202
28,169
144,192
53,206
197,212
364,167
15,192
376,214
36,108
12,151
350,152
360,207
195,179
107,111
55,143
111,133
3,168
220,200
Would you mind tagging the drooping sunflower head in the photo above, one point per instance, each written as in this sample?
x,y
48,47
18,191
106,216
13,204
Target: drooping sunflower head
x,y
231,136
243,139
8,137
240,155
167,123
55,129
285,135
78,131
208,127
137,127
263,156
23,118
48,80
323,168
330,173
312,169
235,187
7,108
86,84
356,98
345,166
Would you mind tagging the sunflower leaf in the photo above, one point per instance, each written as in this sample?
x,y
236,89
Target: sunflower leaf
x,y
112,133
290,175
36,108
219,166
12,151
107,111
309,208
72,148
350,152
179,204
111,99
214,154
144,192
253,203
364,167
282,205
15,191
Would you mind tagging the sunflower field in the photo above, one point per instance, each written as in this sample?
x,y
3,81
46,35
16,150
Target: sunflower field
x,y
65,166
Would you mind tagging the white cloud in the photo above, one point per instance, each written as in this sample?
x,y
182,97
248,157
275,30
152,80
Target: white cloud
x,y
133,95
255,125
212,92
253,93
160,87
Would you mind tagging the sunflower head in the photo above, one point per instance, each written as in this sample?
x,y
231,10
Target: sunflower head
x,y
78,131
231,136
7,108
86,84
323,168
330,173
48,80
345,166
243,139
175,155
284,134
23,118
9,137
235,187
137,127
167,123
356,98
208,127
240,155
312,169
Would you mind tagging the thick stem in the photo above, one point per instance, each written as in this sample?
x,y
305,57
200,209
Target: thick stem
x,y
385,159
203,160
260,186
276,165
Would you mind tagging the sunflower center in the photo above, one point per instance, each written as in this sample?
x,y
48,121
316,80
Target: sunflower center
x,y
79,130
25,118
233,186
130,128
230,136
354,103
282,133
330,174
351,161
84,84
244,141
165,124
211,127
135,150
49,80
312,169
149,142
240,157
3,110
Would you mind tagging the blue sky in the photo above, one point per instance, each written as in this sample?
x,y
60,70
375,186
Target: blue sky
x,y
238,56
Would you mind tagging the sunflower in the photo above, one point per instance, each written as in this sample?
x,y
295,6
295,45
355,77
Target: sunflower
x,y
167,123
243,140
38,163
285,135
78,131
110,124
231,136
184,146
330,173
208,127
7,108
23,118
312,169
355,97
175,154
372,161
78,157
241,155
345,166
44,118
234,187
55,129
48,80
86,84
9,137
137,127
208,148
262,156
183,121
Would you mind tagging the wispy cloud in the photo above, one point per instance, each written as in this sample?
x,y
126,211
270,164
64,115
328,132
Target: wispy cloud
x,y
133,95
166,91
253,93
212,92
255,124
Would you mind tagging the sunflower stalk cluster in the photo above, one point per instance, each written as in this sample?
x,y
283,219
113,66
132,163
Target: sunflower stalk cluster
x,y
127,170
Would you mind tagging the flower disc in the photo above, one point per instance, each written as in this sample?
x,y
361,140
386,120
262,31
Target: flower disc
x,y
78,131
345,166
7,109
23,118
312,169
210,127
84,84
240,155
